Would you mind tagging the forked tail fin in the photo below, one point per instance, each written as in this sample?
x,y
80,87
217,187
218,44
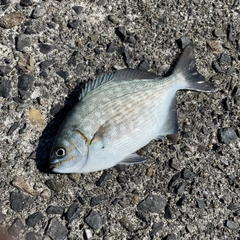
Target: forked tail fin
x,y
186,70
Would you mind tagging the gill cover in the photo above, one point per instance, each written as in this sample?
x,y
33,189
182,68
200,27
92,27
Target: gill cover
x,y
76,147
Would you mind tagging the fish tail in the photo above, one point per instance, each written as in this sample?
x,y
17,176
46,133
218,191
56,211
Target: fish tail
x,y
186,71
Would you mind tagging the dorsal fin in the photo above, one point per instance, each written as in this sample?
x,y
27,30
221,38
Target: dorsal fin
x,y
92,84
123,74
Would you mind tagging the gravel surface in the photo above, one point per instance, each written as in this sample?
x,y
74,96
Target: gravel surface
x,y
189,187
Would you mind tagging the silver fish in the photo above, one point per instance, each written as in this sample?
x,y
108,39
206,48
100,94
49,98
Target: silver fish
x,y
121,112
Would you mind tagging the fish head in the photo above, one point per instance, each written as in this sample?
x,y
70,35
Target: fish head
x,y
69,152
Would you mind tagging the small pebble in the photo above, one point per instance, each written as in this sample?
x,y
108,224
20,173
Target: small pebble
x,y
103,179
171,236
53,185
201,203
144,65
34,218
156,227
22,42
46,64
16,227
121,33
184,41
191,228
231,225
152,203
217,67
94,220
187,174
175,164
46,48
180,187
26,3
168,212
73,212
225,58
113,19
111,47
174,178
55,210
25,82
38,12
73,24
127,224
97,200
36,118
12,128
33,236
232,206
142,216
218,32
80,68
19,201
227,135
5,88
149,172
63,74
181,201
77,9
56,230
11,20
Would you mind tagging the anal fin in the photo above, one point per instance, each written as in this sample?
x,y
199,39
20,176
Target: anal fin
x,y
170,126
132,159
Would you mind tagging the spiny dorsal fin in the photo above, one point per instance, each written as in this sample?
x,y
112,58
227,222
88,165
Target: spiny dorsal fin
x,y
123,74
92,84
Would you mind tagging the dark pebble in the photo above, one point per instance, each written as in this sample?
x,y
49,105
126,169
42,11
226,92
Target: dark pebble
x,y
201,203
174,178
53,185
121,33
19,201
73,24
25,82
55,210
232,206
5,88
184,41
181,201
77,9
56,230
33,236
24,94
96,200
226,103
12,128
227,135
4,2
209,228
103,179
94,220
16,227
100,2
72,61
80,68
231,225
142,216
229,32
63,74
111,47
34,218
180,188
43,74
46,48
26,3
56,109
225,58
168,212
217,67
156,227
131,39
97,51
170,237
46,64
127,224
22,42
73,212
152,203
29,31
83,200
126,58
144,65
5,70
236,91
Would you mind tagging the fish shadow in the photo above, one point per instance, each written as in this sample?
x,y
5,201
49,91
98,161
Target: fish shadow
x,y
49,133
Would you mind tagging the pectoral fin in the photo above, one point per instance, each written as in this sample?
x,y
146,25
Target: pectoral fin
x,y
132,159
99,139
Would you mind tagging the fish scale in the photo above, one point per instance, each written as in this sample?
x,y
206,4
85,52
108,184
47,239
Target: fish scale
x,y
121,112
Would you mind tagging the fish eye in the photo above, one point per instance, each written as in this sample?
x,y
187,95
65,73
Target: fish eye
x,y
60,152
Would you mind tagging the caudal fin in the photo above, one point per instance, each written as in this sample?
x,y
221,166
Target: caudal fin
x,y
186,69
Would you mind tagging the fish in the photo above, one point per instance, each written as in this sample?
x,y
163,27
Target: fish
x,y
118,113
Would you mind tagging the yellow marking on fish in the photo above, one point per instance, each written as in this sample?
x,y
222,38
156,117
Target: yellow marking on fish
x,y
83,135
57,165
